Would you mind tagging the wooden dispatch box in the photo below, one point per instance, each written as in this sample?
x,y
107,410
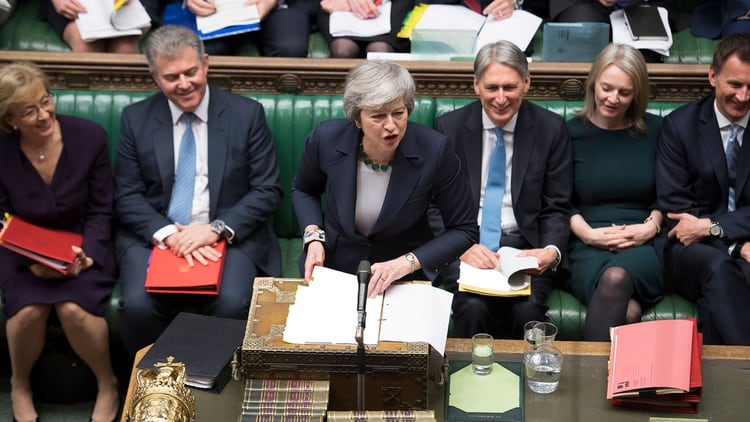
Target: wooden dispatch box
x,y
397,376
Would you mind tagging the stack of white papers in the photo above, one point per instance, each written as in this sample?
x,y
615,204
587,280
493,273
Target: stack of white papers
x,y
345,24
325,312
102,21
228,13
519,28
621,35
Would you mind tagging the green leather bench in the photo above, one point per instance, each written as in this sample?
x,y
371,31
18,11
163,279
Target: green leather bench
x,y
25,30
290,119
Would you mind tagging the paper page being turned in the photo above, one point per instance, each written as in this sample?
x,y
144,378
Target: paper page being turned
x,y
427,310
508,279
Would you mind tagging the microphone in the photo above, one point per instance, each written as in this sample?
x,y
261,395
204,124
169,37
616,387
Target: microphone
x,y
363,279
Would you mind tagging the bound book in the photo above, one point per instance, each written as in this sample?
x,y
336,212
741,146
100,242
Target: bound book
x,y
656,365
205,344
382,416
285,398
497,396
169,273
50,247
508,279
644,23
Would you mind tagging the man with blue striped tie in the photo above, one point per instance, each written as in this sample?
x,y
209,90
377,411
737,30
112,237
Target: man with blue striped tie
x,y
519,161
703,185
195,165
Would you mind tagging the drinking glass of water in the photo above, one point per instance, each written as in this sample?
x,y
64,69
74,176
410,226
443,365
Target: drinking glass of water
x,y
543,365
482,353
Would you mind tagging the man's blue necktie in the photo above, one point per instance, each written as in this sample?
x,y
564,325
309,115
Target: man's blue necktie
x,y
490,230
733,152
181,205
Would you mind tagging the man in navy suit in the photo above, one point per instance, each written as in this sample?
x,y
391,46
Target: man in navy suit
x,y
534,212
234,191
706,198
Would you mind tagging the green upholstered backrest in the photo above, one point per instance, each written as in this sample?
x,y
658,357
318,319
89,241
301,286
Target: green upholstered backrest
x,y
290,119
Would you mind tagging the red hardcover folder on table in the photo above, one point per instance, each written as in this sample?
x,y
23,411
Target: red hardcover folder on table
x,y
656,365
169,273
50,247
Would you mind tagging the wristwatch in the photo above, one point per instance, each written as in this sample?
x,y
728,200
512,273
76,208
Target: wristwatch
x,y
715,229
310,236
412,261
220,228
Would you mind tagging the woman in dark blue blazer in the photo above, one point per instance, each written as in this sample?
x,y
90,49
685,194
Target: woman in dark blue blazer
x,y
380,174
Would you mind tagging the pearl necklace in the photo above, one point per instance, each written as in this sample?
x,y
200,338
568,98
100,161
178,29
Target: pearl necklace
x,y
42,156
368,161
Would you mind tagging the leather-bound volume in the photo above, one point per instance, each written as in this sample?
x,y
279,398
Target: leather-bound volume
x,y
205,344
47,246
644,23
169,273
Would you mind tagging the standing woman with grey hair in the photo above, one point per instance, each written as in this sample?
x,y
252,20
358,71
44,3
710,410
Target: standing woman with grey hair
x,y
379,174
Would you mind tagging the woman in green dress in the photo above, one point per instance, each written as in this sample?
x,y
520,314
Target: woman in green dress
x,y
615,270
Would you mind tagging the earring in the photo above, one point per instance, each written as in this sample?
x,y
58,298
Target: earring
x,y
15,128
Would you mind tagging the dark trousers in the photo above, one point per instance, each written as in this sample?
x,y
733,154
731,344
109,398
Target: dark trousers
x,y
500,316
706,274
143,316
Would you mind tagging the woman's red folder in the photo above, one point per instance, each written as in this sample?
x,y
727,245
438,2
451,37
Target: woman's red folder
x,y
50,247
169,273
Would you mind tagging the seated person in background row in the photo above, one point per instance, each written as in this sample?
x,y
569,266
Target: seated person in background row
x,y
720,18
615,270
501,9
705,193
521,188
379,173
226,186
55,172
284,29
61,16
358,47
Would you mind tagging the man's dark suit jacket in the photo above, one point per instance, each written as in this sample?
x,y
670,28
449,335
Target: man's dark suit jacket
x,y
424,168
691,171
243,174
542,170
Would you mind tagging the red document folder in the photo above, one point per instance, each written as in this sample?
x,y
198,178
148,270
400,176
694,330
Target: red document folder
x,y
50,247
168,273
656,365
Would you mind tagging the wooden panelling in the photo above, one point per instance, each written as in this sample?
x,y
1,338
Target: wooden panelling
x,y
272,75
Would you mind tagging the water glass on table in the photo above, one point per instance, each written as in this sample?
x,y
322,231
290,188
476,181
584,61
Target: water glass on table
x,y
543,365
482,353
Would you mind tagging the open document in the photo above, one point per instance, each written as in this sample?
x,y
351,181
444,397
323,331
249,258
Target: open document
x,y
101,20
621,33
508,279
346,24
325,312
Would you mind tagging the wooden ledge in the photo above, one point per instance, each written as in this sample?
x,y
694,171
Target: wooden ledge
x,y
276,75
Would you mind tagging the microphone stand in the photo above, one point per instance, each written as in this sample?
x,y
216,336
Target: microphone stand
x,y
361,363
363,279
